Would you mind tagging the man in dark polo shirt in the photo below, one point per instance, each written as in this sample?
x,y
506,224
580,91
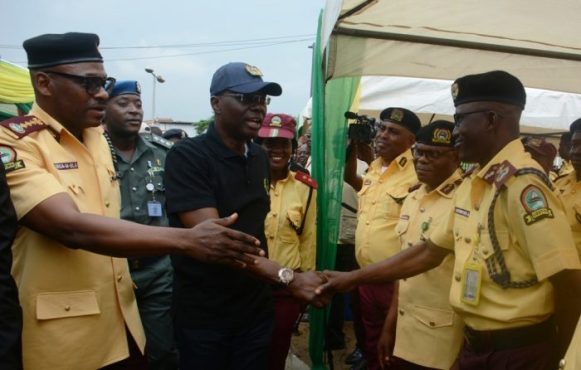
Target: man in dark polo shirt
x,y
224,315
10,312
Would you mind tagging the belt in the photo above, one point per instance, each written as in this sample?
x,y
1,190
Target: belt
x,y
498,340
136,263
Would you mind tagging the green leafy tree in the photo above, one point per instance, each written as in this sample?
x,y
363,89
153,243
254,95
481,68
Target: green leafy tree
x,y
202,125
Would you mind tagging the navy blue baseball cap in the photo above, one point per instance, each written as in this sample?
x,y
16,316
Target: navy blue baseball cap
x,y
125,87
242,78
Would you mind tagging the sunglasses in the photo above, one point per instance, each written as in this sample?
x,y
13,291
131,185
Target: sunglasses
x,y
92,84
250,99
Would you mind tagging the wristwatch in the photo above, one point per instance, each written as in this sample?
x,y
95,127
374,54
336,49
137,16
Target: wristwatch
x,y
285,276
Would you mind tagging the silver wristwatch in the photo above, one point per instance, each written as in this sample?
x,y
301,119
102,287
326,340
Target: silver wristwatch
x,y
285,276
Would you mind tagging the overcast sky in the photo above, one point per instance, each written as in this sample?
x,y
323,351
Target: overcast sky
x,y
164,28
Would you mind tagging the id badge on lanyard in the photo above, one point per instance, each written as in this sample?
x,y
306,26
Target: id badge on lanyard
x,y
471,282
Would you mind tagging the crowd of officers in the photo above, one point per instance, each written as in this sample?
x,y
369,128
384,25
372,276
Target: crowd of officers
x,y
205,246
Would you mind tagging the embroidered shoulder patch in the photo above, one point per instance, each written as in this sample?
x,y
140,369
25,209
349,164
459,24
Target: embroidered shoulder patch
x,y
23,125
535,204
9,160
306,179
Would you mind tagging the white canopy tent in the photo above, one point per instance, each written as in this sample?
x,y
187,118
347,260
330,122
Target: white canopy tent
x,y
536,40
546,111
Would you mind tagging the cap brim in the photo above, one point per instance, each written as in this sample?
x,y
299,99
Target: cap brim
x,y
266,132
269,88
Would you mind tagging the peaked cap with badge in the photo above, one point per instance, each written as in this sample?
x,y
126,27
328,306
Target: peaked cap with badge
x,y
495,86
50,50
242,78
403,117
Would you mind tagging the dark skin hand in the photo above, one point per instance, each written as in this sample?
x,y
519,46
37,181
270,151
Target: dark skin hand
x,y
567,307
58,218
304,283
421,257
387,339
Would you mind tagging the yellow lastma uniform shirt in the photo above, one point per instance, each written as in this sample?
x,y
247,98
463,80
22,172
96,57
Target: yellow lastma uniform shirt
x,y
569,191
533,234
288,203
429,332
76,304
380,201
572,360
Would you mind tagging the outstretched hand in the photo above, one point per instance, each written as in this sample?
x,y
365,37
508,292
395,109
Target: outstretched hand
x,y
303,288
214,242
337,282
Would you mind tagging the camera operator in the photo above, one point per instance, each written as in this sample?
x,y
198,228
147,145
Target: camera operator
x,y
381,193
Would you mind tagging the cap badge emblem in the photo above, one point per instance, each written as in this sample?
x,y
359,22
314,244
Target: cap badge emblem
x,y
253,71
442,136
275,121
455,90
396,115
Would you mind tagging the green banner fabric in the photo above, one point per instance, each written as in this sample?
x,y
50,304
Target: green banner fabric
x,y
329,138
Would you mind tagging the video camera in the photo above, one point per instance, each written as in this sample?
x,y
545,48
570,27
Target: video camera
x,y
363,130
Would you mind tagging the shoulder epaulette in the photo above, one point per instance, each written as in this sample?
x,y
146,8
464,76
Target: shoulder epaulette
x,y
560,177
469,172
160,141
23,125
306,179
414,187
499,174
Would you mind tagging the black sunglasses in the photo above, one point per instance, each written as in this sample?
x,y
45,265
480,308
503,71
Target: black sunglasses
x,y
250,98
92,84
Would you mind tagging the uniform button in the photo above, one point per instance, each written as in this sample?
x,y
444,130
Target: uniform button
x,y
276,193
107,204
562,364
67,308
134,188
401,312
467,240
485,252
119,277
137,208
432,323
271,237
366,222
477,207
422,210
457,276
381,181
132,169
274,214
373,202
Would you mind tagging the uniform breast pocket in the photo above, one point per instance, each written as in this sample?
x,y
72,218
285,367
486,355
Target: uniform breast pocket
x,y
61,305
433,317
486,243
575,218
402,225
391,205
292,223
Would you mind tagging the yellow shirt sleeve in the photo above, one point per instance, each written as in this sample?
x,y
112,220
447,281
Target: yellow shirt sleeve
x,y
307,249
443,234
538,222
33,183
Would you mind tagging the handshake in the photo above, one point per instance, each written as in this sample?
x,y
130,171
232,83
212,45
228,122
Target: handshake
x,y
318,288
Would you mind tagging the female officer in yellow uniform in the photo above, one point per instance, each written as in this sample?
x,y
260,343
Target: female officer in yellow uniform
x,y
290,226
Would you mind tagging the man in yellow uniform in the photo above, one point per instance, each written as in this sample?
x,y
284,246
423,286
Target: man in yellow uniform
x,y
569,187
564,150
381,193
79,310
515,260
427,332
569,190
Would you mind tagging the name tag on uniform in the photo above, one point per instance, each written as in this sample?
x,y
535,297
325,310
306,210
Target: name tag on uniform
x,y
471,281
154,209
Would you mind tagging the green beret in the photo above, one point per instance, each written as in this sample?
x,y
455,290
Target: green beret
x,y
496,86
